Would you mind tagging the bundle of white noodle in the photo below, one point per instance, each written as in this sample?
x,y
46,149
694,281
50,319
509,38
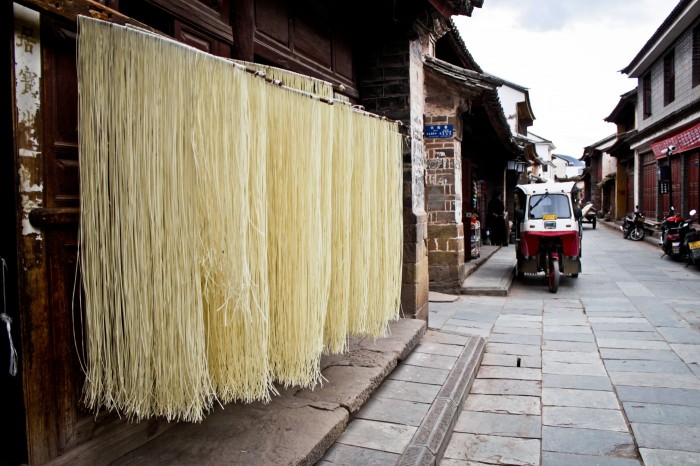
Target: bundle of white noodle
x,y
225,241
139,232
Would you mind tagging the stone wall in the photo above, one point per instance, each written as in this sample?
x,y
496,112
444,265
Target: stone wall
x,y
391,83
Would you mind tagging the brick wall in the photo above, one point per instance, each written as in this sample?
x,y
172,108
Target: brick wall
x,y
443,184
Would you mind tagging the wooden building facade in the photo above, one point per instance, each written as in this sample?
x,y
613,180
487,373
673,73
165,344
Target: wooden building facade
x,y
373,59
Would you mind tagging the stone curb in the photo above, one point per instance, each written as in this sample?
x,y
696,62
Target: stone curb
x,y
430,440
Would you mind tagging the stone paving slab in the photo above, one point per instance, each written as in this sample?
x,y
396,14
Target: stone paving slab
x,y
632,313
408,391
438,348
618,320
515,339
579,398
621,335
657,457
507,387
690,353
468,331
667,437
349,454
659,367
612,327
567,329
632,344
662,413
550,458
554,345
393,438
567,368
646,379
583,382
514,373
505,404
572,320
570,356
570,336
436,361
510,348
515,317
427,375
504,425
650,355
588,442
510,360
668,396
395,411
494,450
475,317
584,418
513,330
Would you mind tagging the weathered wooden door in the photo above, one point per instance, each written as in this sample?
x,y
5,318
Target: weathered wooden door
x,y
44,180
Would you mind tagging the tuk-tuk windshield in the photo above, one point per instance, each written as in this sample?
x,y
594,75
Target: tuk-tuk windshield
x,y
543,204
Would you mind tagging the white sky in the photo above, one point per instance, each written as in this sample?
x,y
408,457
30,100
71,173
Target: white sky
x,y
568,53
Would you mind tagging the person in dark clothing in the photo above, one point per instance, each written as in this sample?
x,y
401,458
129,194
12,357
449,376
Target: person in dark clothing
x,y
495,215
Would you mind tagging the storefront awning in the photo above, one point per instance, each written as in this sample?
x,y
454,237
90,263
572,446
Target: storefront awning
x,y
684,140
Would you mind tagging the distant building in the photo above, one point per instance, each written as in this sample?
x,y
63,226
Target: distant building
x,y
567,167
600,175
544,168
666,116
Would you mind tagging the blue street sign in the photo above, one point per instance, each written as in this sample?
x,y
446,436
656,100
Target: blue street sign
x,y
439,131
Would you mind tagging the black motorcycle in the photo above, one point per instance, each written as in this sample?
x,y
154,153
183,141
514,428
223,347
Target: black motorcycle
x,y
692,247
674,230
633,226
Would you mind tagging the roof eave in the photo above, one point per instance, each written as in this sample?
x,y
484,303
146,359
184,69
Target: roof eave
x,y
680,18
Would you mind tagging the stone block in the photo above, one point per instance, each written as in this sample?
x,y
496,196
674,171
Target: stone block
x,y
414,252
444,230
414,296
447,258
443,275
414,274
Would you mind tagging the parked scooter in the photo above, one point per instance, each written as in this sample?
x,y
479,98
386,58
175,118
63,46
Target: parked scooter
x,y
633,227
692,247
673,232
589,214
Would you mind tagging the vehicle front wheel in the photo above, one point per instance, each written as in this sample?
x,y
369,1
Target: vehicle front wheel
x,y
594,222
637,234
554,275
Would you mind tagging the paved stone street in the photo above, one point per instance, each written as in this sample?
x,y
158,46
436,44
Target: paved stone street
x,y
604,372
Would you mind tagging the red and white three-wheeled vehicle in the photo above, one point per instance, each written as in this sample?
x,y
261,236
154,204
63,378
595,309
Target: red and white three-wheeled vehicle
x,y
548,231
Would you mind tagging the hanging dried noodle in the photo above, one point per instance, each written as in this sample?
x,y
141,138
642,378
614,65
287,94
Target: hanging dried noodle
x,y
225,242
322,89
139,228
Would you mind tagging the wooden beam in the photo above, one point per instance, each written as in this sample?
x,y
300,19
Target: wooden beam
x,y
70,9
